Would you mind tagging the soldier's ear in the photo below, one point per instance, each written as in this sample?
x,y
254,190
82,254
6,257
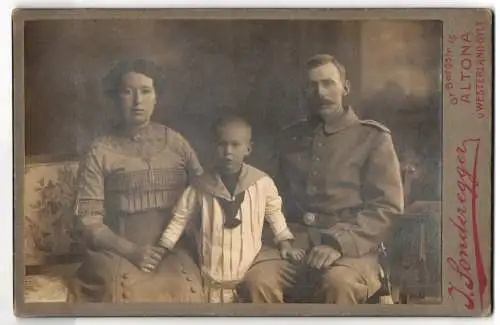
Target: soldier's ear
x,y
347,87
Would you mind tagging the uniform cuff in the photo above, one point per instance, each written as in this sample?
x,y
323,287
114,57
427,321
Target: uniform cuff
x,y
343,240
331,241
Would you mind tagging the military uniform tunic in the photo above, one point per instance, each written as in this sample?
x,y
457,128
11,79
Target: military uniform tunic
x,y
341,186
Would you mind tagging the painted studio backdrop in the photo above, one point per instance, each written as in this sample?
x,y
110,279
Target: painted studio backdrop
x,y
213,67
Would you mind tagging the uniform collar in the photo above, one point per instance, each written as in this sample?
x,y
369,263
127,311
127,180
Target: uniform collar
x,y
211,182
345,120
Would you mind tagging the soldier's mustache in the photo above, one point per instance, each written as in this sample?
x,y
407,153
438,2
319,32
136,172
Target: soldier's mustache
x,y
325,101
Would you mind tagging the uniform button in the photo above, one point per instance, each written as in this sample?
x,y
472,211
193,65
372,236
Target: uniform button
x,y
320,144
124,276
125,295
316,158
193,290
309,218
314,172
183,271
188,278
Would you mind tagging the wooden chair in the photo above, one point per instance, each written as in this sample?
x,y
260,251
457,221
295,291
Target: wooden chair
x,y
411,258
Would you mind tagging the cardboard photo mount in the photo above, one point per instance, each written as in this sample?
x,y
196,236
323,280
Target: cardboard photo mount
x,y
464,210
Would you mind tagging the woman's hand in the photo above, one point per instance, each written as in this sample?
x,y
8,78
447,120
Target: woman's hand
x,y
147,257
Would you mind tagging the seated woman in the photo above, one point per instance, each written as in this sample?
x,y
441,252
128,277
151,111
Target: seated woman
x,y
128,182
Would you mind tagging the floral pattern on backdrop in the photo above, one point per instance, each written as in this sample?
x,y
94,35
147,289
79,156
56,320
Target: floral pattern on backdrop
x,y
48,211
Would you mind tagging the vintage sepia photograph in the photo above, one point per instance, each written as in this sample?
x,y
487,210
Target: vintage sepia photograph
x,y
232,161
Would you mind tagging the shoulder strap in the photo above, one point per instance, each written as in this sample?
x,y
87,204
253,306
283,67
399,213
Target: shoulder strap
x,y
376,125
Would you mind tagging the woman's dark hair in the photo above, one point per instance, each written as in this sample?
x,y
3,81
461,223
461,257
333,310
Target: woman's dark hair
x,y
113,81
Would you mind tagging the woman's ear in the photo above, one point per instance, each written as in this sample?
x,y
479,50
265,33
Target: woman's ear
x,y
347,87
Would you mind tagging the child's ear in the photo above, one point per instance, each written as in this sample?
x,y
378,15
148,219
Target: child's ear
x,y
250,147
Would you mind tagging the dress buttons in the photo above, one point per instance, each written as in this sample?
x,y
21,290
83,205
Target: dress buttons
x,y
125,295
193,290
188,279
183,271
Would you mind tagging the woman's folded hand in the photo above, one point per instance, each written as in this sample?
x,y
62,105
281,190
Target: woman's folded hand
x,y
147,257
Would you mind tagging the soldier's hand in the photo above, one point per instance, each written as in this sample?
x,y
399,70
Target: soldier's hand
x,y
147,257
322,256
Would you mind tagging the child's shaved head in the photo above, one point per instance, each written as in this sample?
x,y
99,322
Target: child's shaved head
x,y
233,140
231,121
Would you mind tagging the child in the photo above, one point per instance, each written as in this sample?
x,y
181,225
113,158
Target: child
x,y
233,200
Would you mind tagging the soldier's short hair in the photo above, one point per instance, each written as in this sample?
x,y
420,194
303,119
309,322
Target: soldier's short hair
x,y
226,120
322,59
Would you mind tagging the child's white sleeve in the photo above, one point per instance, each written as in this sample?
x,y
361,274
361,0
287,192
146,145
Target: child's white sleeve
x,y
185,209
274,214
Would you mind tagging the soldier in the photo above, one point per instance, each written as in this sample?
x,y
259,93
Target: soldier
x,y
340,180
